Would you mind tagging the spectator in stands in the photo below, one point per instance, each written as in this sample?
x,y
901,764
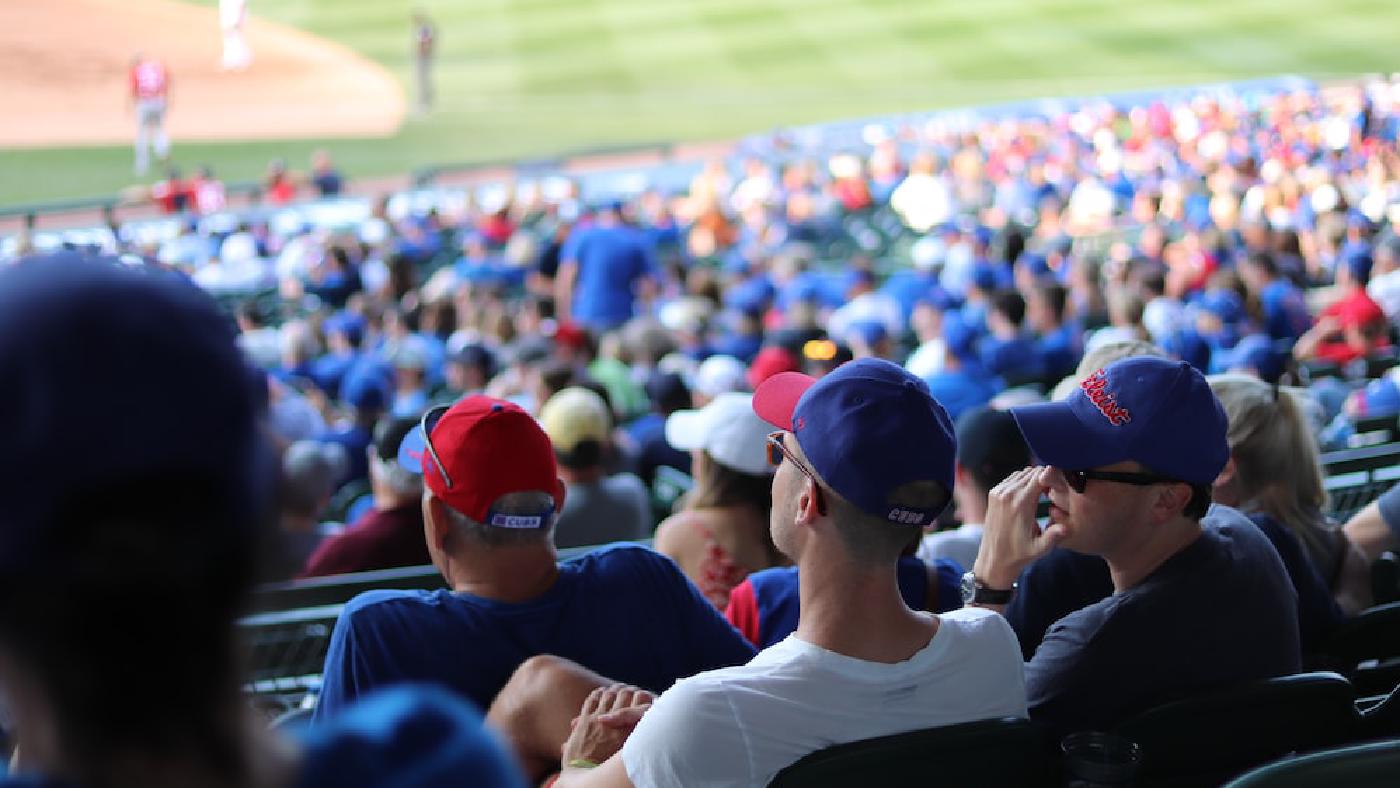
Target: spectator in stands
x,y
310,473
1384,287
1058,343
721,535
1129,459
325,178
1273,476
260,341
490,506
410,358
345,333
467,372
1285,311
600,508
278,185
867,462
604,268
962,384
365,393
1352,326
123,574
643,440
390,533
990,448
1008,351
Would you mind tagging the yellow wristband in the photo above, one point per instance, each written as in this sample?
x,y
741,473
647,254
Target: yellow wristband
x,y
581,763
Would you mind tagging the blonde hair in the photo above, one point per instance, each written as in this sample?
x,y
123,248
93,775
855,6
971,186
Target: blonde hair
x,y
1276,456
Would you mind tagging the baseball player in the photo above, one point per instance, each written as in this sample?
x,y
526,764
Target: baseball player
x,y
233,14
150,95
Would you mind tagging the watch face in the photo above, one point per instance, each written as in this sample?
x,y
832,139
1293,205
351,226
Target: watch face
x,y
969,587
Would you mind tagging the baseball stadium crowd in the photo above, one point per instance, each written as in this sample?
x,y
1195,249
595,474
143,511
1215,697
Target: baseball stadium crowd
x,y
810,407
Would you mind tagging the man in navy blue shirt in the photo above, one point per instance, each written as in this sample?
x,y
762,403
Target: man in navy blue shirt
x,y
1128,462
603,268
492,496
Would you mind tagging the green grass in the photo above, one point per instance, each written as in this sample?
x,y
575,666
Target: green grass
x,y
534,77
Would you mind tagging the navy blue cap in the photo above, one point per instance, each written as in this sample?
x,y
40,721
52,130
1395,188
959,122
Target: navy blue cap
x,y
867,428
1156,412
113,375
1256,352
959,336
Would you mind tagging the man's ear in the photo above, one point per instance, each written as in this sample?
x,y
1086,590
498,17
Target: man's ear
x,y
1227,474
1171,501
808,511
438,523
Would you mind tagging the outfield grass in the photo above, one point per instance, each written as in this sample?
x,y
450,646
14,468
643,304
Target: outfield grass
x,y
535,77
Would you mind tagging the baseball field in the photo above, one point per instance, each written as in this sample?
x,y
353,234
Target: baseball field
x,y
525,78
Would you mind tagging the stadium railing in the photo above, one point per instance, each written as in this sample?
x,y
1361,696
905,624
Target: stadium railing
x,y
1355,477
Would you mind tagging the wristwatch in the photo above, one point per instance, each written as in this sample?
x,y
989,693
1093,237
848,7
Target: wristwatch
x,y
975,592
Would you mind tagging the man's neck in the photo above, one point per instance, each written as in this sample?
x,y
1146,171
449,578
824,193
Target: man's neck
x,y
857,611
590,475
1135,565
512,574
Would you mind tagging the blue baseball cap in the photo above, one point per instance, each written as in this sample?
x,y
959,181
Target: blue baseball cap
x,y
867,428
1256,352
1224,304
959,336
1157,412
117,376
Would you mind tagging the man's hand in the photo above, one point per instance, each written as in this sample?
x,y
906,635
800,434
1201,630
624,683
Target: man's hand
x,y
1011,538
606,720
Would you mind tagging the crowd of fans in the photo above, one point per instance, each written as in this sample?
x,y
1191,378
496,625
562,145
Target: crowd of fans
x,y
471,383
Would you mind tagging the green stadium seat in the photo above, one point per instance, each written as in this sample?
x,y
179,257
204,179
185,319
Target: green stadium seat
x,y
1360,766
1207,739
991,753
1366,649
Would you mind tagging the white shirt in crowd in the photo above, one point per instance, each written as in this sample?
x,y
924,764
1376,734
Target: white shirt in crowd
x,y
740,726
960,544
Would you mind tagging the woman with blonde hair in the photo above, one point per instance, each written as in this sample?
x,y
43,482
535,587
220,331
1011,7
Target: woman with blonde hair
x,y
721,535
1275,478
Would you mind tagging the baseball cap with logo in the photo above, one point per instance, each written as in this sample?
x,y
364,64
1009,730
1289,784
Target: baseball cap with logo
x,y
727,429
1154,411
487,448
867,428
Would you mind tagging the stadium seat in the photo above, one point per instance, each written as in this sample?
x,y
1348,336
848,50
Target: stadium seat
x,y
1359,766
1366,649
989,753
1380,716
1385,578
1205,740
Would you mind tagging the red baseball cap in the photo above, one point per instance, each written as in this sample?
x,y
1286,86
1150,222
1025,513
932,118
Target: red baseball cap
x,y
487,448
771,361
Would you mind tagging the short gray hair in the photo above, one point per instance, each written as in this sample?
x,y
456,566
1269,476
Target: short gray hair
x,y
517,503
399,479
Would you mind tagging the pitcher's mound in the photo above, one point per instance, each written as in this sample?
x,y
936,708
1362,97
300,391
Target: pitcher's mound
x,y
63,73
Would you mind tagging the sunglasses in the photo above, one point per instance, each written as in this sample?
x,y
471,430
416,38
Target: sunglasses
x,y
1078,480
777,451
426,424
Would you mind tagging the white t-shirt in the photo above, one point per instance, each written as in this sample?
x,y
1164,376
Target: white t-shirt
x,y
960,544
740,726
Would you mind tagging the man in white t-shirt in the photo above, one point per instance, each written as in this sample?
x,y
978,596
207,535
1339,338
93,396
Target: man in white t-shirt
x,y
864,460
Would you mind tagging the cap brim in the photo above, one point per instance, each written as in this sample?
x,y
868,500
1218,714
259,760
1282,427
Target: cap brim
x,y
413,450
776,398
685,430
1057,437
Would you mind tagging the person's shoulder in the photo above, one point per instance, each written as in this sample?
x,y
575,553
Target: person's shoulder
x,y
384,600
621,557
626,483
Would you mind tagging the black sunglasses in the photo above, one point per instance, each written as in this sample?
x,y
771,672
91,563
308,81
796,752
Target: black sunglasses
x,y
777,450
426,424
1078,480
